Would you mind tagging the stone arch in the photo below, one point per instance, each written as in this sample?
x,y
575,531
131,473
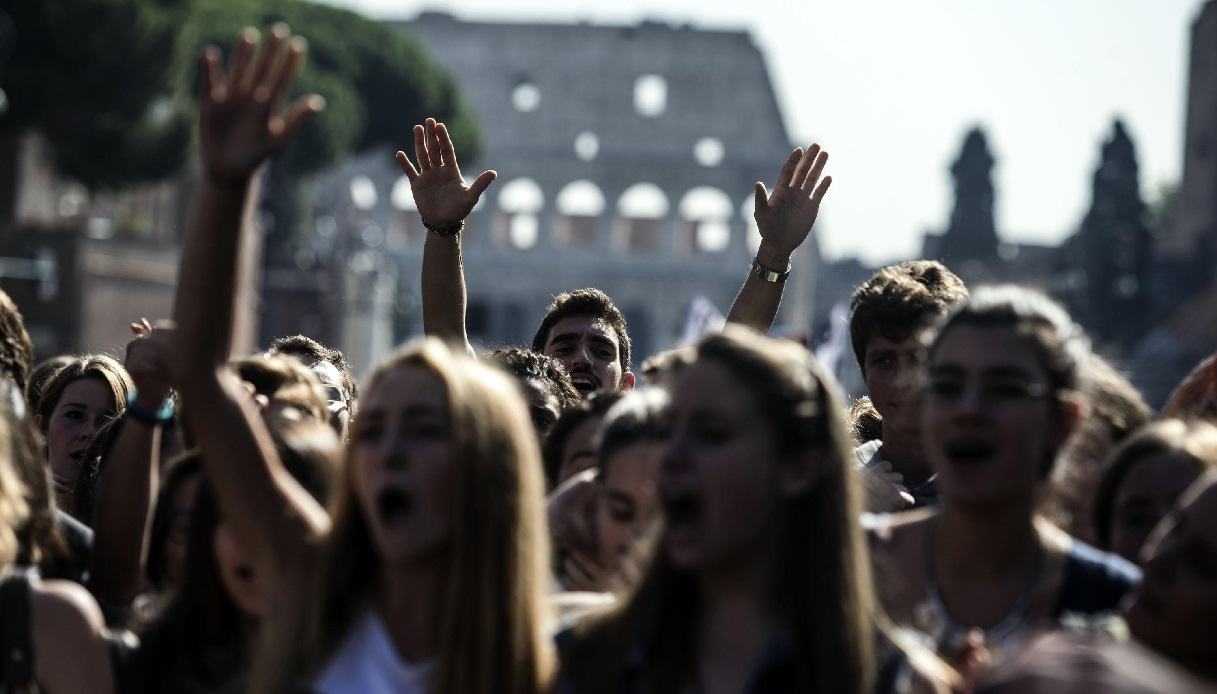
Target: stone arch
x,y
641,210
578,205
705,221
520,203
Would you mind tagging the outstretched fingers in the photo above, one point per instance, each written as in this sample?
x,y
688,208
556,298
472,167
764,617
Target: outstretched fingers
x,y
211,81
296,115
420,148
817,168
269,58
446,148
406,167
433,150
792,162
820,190
238,71
286,72
805,163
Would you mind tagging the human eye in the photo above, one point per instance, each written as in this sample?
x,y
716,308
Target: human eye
x,y
1010,390
945,387
621,513
881,359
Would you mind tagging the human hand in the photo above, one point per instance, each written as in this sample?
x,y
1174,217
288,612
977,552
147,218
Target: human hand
x,y
147,362
240,124
786,216
885,490
440,192
583,572
571,514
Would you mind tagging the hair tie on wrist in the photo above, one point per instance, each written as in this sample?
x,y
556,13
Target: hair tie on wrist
x,y
148,416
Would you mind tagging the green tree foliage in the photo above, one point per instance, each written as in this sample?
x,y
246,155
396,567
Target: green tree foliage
x,y
112,83
94,78
377,82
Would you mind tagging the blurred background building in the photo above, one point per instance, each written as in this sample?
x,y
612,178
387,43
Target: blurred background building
x,y
626,157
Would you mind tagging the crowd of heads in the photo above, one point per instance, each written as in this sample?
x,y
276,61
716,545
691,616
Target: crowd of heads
x,y
541,519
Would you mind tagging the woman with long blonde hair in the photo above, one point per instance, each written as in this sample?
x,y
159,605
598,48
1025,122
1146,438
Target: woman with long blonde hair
x,y
428,573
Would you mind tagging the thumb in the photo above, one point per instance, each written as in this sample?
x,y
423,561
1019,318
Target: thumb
x,y
761,197
482,183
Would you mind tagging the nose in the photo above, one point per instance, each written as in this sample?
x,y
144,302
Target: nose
x,y
674,456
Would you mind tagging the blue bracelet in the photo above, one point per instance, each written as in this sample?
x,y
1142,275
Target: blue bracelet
x,y
147,416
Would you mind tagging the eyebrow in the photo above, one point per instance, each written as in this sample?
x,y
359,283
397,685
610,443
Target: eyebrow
x,y
618,495
989,372
603,338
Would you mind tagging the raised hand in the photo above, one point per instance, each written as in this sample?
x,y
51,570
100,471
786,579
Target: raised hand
x,y
786,216
147,361
440,192
240,123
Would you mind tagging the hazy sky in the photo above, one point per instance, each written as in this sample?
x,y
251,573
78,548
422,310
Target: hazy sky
x,y
890,87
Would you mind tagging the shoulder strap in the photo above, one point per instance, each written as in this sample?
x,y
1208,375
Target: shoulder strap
x,y
16,647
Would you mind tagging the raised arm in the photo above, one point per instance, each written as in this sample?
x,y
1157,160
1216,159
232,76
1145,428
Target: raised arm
x,y
444,201
123,507
240,126
785,218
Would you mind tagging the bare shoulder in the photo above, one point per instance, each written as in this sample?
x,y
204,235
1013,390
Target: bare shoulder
x,y
65,605
67,627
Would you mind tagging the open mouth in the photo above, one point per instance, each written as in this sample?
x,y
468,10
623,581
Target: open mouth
x,y
681,508
969,451
394,506
585,383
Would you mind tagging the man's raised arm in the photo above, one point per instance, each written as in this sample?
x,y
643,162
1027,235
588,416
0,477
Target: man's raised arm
x,y
785,218
443,201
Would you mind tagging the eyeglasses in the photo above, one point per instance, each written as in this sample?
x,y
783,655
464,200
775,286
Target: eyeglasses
x,y
999,391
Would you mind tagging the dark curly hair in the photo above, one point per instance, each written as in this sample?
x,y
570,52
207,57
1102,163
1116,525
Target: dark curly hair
x,y
586,302
899,299
527,364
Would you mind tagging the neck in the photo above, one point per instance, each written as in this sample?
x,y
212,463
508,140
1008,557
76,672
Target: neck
x,y
736,621
408,600
987,542
904,452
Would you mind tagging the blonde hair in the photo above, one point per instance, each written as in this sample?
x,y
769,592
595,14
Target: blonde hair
x,y
494,626
823,588
14,504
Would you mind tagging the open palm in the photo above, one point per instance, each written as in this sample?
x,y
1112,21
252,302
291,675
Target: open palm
x,y
786,216
440,193
240,125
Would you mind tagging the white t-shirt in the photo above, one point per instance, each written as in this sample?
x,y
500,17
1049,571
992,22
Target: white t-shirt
x,y
368,663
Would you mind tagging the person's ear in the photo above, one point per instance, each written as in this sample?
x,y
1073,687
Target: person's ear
x,y
628,380
1070,413
799,473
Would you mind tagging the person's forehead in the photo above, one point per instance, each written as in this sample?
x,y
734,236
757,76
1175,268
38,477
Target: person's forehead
x,y
88,390
917,340
326,372
538,393
589,326
981,349
407,386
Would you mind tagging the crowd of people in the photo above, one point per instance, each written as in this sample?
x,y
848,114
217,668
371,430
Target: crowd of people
x,y
1003,513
